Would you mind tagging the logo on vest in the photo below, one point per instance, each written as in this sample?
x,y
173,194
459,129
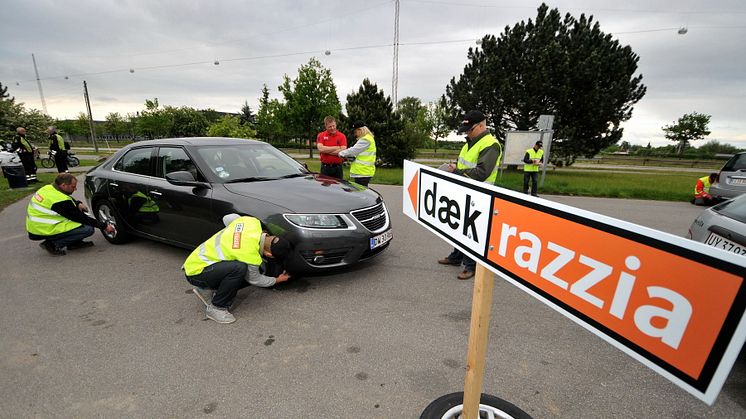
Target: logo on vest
x,y
38,197
237,236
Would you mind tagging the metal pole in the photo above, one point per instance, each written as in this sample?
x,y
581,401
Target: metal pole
x,y
38,83
90,116
395,76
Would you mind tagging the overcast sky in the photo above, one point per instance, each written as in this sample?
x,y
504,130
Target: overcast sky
x,y
172,45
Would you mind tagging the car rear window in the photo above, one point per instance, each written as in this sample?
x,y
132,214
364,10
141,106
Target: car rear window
x,y
734,208
736,163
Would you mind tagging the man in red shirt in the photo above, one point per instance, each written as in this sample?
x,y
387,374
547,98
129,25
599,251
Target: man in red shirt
x,y
329,141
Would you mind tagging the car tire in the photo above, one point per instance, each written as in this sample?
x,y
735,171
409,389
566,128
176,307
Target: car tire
x,y
451,406
105,212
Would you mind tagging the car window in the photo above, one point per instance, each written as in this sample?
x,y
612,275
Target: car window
x,y
175,159
734,208
736,163
136,161
249,161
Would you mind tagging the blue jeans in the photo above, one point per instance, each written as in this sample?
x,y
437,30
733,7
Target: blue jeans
x,y
75,235
458,256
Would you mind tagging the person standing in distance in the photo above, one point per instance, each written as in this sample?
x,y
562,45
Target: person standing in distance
x,y
328,142
229,261
532,160
54,216
25,151
479,159
364,151
57,144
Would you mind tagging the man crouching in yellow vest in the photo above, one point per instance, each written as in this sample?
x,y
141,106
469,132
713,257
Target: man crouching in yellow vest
x,y
224,263
54,216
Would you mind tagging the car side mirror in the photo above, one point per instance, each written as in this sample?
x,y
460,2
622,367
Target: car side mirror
x,y
184,178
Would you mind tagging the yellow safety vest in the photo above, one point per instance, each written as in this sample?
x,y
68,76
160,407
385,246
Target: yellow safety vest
x,y
26,144
468,157
238,241
41,219
60,142
365,162
706,181
148,206
533,155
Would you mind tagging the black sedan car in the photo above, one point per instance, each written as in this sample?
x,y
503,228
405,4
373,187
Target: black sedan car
x,y
177,191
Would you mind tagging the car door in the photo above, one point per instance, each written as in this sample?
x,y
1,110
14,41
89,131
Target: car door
x,y
184,213
130,179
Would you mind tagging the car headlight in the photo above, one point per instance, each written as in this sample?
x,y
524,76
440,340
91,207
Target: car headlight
x,y
317,220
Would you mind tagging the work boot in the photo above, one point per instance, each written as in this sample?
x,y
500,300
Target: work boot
x,y
204,295
465,274
446,261
79,245
220,315
49,247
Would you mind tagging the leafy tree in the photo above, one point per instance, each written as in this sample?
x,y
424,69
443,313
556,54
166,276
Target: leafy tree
x,y
4,95
115,125
186,122
713,147
376,110
211,115
308,99
565,67
689,127
247,117
409,107
414,116
230,126
13,115
269,118
152,122
438,121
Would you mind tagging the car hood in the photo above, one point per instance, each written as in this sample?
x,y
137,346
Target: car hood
x,y
308,194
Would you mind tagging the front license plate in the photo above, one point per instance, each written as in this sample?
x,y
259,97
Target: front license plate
x,y
381,239
716,240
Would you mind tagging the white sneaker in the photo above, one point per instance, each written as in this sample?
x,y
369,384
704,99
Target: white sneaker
x,y
204,294
219,315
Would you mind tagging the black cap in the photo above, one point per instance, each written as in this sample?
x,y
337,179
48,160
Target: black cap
x,y
470,119
358,124
540,144
280,248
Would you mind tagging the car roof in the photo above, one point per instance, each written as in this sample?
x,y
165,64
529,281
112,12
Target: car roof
x,y
198,141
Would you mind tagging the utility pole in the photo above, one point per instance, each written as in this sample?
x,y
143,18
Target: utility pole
x,y
395,77
90,116
38,83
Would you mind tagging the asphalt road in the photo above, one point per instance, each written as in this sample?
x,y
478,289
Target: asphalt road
x,y
114,331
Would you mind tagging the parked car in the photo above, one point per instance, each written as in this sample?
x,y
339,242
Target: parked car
x,y
731,179
722,226
177,190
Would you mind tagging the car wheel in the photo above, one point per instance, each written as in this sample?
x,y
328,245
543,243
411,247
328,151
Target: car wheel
x,y
451,406
105,212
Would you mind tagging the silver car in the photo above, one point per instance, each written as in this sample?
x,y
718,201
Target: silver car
x,y
722,226
731,179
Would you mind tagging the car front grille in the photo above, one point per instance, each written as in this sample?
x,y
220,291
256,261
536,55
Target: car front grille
x,y
374,218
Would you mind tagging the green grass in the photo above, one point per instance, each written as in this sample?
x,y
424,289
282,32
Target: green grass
x,y
9,196
664,186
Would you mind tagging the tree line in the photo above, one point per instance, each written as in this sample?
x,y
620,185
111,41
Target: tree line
x,y
564,66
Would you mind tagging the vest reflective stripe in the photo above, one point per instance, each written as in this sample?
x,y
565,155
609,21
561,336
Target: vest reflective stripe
x,y
469,157
26,144
705,190
365,162
238,241
41,219
148,206
533,155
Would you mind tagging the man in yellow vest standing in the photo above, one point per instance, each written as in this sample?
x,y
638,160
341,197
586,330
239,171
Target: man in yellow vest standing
x,y
26,152
532,158
364,151
229,261
479,159
57,144
58,219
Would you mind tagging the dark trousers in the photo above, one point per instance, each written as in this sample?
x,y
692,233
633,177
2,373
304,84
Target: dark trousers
x,y
458,256
225,277
332,170
29,166
60,159
69,237
534,176
361,180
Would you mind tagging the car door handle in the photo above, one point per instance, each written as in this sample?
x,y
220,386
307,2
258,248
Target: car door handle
x,y
116,185
156,193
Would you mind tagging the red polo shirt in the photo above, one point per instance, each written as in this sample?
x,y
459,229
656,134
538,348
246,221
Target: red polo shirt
x,y
331,140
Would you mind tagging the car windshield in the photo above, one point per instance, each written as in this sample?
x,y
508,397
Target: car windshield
x,y
734,208
249,162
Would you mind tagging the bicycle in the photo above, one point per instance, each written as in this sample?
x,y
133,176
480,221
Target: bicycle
x,y
48,161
